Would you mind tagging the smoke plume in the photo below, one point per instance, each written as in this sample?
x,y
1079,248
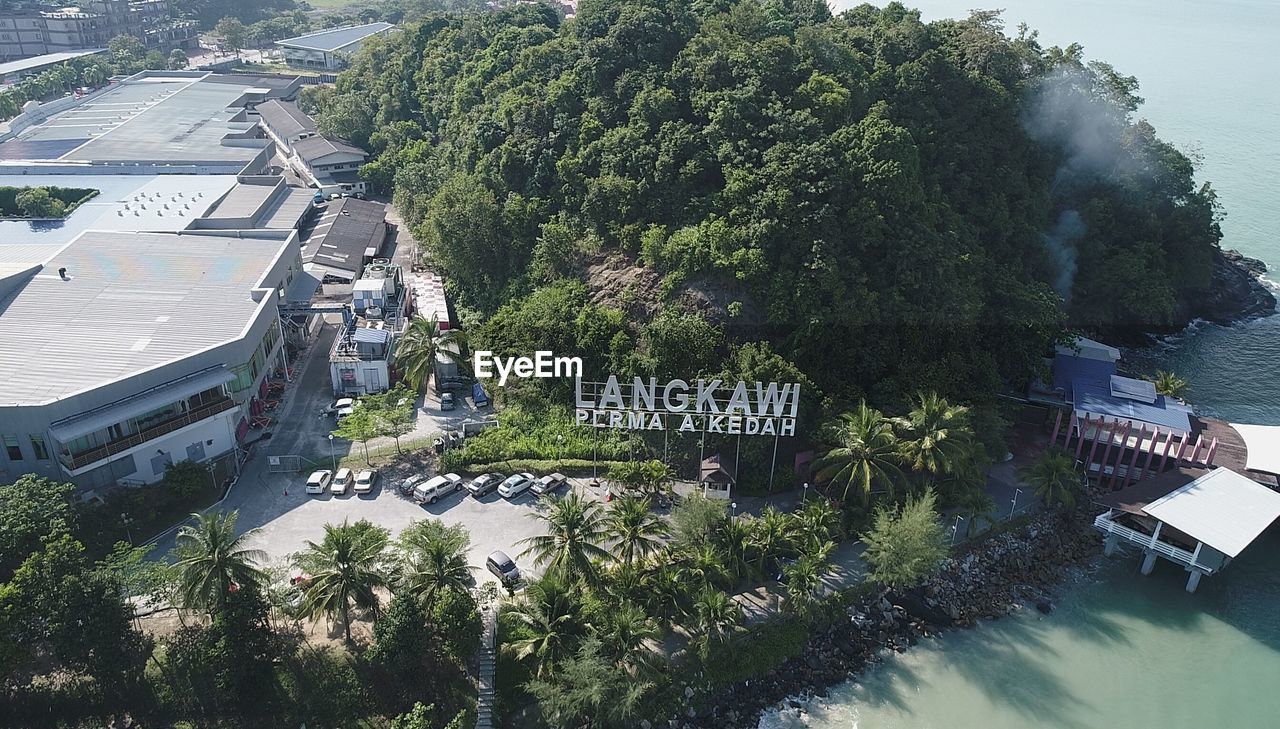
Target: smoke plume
x,y
1061,244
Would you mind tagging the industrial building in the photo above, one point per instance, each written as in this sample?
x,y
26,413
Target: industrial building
x,y
330,166
329,49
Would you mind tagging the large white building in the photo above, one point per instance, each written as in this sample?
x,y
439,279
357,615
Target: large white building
x,y
329,49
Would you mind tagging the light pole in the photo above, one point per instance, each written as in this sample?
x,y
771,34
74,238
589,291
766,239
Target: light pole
x,y
734,505
124,518
955,528
804,495
332,457
1014,508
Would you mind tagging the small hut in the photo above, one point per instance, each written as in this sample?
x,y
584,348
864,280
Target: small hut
x,y
717,477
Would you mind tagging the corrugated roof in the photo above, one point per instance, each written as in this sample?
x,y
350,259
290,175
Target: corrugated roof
x,y
133,301
1222,509
1096,399
335,39
286,119
1089,349
1262,444
371,336
345,230
48,59
314,148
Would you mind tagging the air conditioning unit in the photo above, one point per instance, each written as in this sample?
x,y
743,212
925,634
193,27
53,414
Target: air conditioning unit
x,y
382,261
376,271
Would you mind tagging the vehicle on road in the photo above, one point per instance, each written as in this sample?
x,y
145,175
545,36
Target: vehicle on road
x,y
484,485
365,480
549,484
446,401
318,481
406,486
503,567
436,488
342,481
341,408
515,485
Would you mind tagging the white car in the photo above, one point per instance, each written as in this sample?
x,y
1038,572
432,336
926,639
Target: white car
x,y
342,481
439,486
549,484
344,407
317,482
515,485
365,481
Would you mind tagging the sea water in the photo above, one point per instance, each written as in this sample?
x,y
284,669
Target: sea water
x,y
1123,650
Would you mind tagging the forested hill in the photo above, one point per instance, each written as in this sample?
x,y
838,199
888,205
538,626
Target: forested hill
x,y
891,205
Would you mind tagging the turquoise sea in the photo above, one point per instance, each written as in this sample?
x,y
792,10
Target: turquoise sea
x,y
1124,650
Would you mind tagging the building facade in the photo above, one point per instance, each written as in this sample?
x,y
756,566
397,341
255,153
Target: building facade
x,y
37,28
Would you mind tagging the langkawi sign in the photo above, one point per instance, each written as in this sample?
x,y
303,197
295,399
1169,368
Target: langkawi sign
x,y
704,406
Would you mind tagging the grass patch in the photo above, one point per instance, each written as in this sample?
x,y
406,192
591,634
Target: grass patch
x,y
756,652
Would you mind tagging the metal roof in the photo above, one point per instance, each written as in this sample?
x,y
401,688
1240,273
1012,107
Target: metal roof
x,y
1262,445
1131,389
371,336
144,402
315,148
285,118
346,229
1223,509
1096,399
1089,349
335,39
132,302
48,59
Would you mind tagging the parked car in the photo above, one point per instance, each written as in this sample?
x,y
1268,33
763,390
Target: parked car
x,y
515,485
484,485
440,486
342,481
549,484
318,481
503,567
407,485
342,407
365,480
446,401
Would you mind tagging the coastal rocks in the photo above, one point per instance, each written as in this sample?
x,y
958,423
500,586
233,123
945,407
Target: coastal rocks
x,y
1235,292
995,577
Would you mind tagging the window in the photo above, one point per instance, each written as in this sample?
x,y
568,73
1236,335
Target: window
x,y
244,378
39,448
12,448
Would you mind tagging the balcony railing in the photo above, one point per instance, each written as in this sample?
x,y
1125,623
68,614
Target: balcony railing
x,y
1187,559
120,445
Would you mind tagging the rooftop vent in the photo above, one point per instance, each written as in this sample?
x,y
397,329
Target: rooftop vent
x,y
62,274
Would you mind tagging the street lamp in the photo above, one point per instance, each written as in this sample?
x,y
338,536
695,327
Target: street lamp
x,y
1014,508
332,457
805,493
734,505
124,518
955,528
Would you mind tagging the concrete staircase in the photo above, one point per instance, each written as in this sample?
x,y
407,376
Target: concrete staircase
x,y
488,664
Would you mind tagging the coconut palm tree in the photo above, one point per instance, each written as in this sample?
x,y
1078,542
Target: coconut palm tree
x,y
715,615
863,453
634,529
212,561
627,635
346,570
658,475
93,75
432,558
804,578
417,348
1170,385
936,437
1055,478
550,614
703,566
816,523
734,546
575,530
631,474
772,535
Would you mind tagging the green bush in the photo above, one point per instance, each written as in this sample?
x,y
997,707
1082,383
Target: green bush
x,y
546,435
42,202
756,652
570,466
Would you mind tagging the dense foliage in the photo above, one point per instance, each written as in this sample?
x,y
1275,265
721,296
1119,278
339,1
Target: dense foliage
x,y
889,204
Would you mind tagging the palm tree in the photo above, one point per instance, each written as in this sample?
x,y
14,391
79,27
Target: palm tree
x,y
1055,478
668,591
630,474
772,534
433,559
975,506
550,615
628,635
212,561
422,340
345,571
735,543
864,453
816,523
1170,385
93,75
715,615
575,530
635,530
658,475
804,578
936,437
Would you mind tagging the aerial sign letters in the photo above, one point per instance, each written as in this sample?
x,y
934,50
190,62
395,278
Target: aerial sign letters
x,y
704,406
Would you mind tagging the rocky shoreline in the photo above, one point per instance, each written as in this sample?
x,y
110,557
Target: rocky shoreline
x,y
1235,293
997,576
